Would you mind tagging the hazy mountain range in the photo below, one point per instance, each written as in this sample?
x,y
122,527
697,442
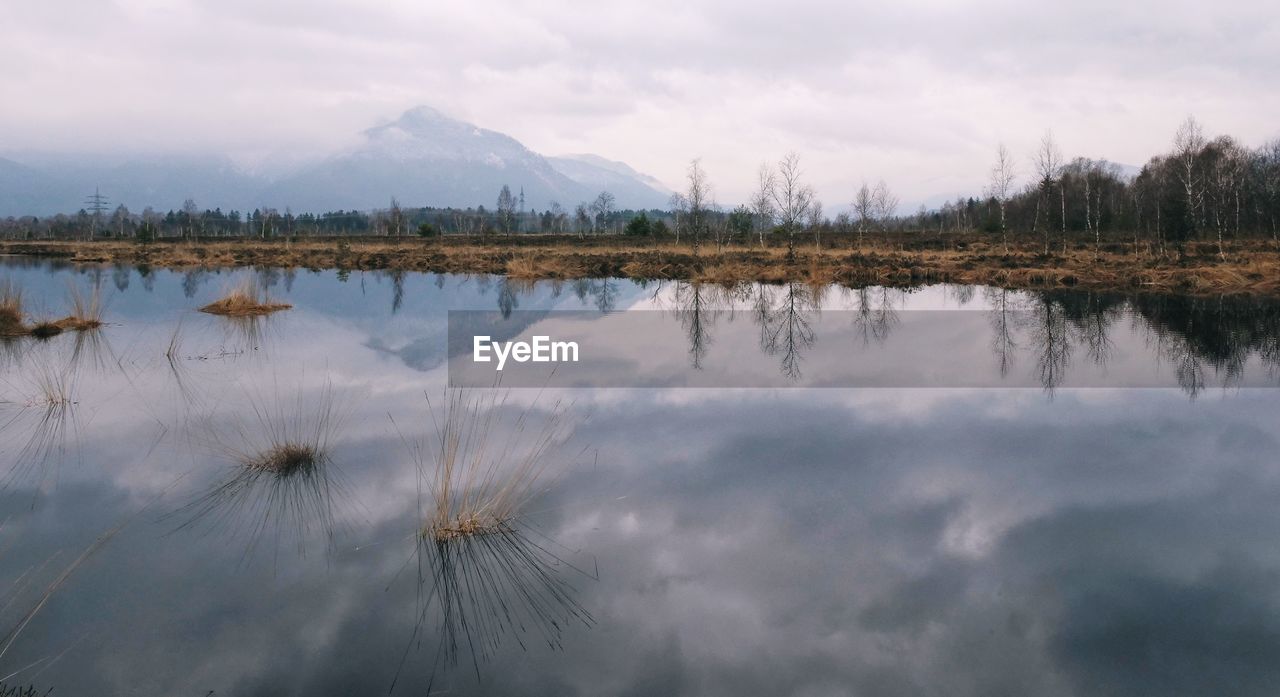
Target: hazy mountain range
x,y
423,158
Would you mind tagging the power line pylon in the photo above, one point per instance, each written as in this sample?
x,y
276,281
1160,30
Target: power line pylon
x,y
96,204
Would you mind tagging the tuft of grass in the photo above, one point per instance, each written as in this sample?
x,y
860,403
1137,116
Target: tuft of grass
x,y
488,579
86,314
284,480
247,300
45,329
86,309
287,458
481,479
10,309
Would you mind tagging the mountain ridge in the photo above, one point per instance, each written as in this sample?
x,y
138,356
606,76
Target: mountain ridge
x,y
422,158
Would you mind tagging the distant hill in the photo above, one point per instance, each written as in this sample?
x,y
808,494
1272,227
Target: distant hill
x,y
598,174
423,158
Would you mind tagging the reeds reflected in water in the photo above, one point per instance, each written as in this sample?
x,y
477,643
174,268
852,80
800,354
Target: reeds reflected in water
x,y
282,482
485,574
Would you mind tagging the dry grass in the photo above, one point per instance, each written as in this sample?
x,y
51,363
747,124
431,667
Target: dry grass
x,y
11,309
286,458
86,313
1250,266
283,482
482,478
247,300
488,580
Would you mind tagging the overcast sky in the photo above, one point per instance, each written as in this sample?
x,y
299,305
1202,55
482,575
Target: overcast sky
x,y
918,92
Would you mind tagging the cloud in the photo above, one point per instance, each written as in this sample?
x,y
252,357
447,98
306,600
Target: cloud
x,y
917,93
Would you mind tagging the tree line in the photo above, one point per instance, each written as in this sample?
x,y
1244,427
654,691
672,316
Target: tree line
x,y
1202,188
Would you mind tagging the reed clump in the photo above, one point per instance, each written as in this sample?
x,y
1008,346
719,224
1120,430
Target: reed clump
x,y
286,458
11,309
483,478
488,579
247,300
86,314
284,482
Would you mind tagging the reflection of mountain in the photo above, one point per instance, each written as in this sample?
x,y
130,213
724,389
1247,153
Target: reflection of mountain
x,y
463,326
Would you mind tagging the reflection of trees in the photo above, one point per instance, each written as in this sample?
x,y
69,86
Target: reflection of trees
x,y
963,294
602,291
875,315
397,290
191,282
1003,344
1193,335
1049,335
1091,316
697,306
508,298
120,276
787,330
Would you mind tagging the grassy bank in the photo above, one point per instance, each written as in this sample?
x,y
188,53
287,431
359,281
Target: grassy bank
x,y
1248,267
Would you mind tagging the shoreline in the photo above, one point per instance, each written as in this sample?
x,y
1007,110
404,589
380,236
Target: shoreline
x,y
1250,267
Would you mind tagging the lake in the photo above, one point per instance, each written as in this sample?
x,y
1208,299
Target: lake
x,y
757,491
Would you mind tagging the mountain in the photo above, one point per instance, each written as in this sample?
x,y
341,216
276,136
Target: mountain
x,y
423,158
27,191
595,173
427,158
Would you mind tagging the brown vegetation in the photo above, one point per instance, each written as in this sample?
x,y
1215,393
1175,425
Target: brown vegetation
x,y
246,301
483,478
894,260
86,314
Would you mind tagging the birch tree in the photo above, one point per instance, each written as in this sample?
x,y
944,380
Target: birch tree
x,y
697,201
885,204
792,199
1048,165
1188,142
1003,173
762,201
864,209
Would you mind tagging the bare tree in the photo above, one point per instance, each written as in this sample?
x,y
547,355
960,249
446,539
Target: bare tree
x,y
792,199
762,201
885,203
506,208
582,217
1048,166
864,209
697,198
558,217
395,218
1003,174
815,224
602,208
679,212
190,217
1188,143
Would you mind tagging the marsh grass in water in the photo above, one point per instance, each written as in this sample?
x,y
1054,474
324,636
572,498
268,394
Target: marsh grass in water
x,y
86,313
249,299
11,309
484,571
283,482
27,591
38,420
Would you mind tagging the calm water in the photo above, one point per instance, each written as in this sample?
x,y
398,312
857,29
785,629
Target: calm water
x,y
1041,539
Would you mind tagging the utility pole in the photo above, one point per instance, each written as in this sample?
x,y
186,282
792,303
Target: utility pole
x,y
96,204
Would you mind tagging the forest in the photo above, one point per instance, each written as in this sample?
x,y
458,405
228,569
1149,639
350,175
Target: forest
x,y
1202,188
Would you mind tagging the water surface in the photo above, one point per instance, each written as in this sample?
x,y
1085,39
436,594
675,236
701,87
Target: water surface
x,y
1044,540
